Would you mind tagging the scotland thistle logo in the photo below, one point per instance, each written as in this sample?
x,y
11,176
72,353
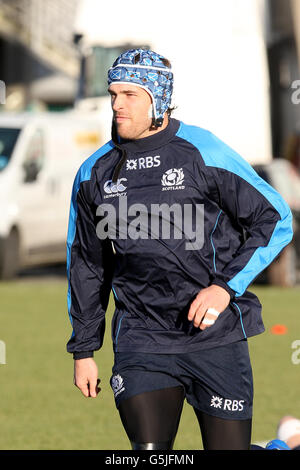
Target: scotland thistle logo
x,y
117,384
173,179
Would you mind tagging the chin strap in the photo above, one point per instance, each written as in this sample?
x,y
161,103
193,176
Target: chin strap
x,y
157,122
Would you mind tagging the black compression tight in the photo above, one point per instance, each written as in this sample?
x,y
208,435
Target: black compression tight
x,y
224,434
152,418
151,421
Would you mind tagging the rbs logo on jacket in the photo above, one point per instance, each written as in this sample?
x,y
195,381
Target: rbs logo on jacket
x,y
142,162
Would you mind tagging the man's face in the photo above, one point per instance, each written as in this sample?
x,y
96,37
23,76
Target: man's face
x,y
130,105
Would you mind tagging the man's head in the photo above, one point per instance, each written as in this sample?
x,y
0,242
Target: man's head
x,y
140,84
131,106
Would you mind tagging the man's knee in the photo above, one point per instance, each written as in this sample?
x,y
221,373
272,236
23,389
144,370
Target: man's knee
x,y
152,445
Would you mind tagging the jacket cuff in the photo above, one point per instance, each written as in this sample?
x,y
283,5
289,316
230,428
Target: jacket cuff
x,y
83,354
221,283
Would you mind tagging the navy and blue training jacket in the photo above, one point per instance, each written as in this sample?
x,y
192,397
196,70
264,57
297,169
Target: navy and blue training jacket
x,y
245,224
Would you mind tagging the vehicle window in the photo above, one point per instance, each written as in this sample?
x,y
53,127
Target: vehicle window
x,y
8,138
34,157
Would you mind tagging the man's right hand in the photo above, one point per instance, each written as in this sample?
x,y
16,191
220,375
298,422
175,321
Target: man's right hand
x,y
86,376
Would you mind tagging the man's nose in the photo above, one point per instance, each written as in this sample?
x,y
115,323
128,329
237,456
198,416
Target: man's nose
x,y
118,103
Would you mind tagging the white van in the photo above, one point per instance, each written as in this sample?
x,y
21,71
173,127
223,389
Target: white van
x,y
39,157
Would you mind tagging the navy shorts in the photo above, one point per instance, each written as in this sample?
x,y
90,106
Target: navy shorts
x,y
216,381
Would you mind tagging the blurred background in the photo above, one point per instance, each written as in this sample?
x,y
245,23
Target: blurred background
x,y
236,66
237,73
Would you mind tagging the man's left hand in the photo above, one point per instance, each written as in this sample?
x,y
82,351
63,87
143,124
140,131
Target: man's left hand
x,y
212,297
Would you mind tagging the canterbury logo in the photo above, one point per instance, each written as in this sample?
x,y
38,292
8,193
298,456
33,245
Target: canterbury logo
x,y
111,188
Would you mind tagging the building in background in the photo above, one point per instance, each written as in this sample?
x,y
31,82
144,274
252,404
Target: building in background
x,y
282,29
38,60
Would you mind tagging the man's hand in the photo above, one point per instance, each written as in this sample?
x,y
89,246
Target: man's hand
x,y
86,376
213,297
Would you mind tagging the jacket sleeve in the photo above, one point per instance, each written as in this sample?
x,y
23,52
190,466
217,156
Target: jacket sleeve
x,y
89,269
256,208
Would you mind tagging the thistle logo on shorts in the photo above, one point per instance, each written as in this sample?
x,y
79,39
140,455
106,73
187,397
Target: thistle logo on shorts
x,y
117,384
226,404
172,179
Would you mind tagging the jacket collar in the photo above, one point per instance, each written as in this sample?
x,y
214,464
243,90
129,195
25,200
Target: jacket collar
x,y
154,141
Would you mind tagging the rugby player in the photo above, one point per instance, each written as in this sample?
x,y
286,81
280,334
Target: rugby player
x,y
183,314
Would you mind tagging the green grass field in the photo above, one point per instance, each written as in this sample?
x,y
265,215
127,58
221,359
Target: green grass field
x,y
40,408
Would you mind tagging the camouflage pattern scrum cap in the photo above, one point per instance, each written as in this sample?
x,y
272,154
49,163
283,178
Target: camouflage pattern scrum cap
x,y
148,70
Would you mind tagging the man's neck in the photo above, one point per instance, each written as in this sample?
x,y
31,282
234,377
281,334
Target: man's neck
x,y
154,130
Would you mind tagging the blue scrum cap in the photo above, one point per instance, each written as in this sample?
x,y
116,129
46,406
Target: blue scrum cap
x,y
148,70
